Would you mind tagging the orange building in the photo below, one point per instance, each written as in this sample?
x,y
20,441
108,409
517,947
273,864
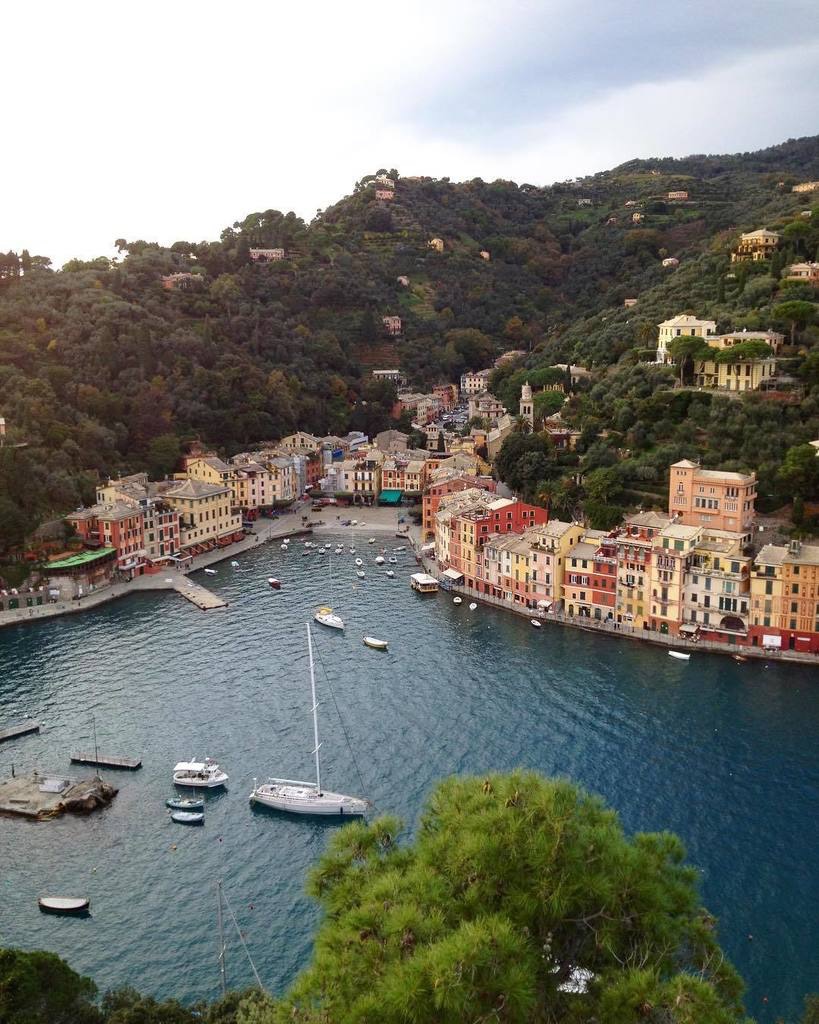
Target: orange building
x,y
712,498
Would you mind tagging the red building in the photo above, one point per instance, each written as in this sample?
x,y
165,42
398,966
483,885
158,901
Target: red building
x,y
117,525
432,497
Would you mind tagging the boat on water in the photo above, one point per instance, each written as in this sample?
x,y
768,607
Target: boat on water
x,y
457,600
327,617
64,904
375,643
234,564
352,551
200,774
371,540
379,559
210,572
327,546
273,583
536,623
390,574
740,658
307,797
679,655
392,560
339,551
399,549
188,817
472,606
360,573
284,547
358,562
183,804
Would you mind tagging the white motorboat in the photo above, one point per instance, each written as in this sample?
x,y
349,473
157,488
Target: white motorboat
x,y
188,817
472,606
399,549
307,797
199,774
358,562
371,540
64,904
234,564
360,573
375,643
679,655
339,551
536,623
390,574
392,561
457,600
352,551
273,583
327,617
210,572
328,545
284,547
379,559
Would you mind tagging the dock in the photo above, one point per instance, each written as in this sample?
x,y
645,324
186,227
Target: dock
x,y
107,761
198,595
14,731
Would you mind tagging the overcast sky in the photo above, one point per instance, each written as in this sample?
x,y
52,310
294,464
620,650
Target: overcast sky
x,y
170,120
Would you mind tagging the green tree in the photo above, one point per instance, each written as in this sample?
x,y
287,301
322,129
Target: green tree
x,y
547,403
40,988
799,472
163,454
686,349
797,312
742,350
521,901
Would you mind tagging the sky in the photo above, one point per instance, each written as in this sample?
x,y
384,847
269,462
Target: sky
x,y
169,121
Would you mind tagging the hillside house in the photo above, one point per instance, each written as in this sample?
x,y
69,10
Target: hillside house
x,y
676,197
484,255
628,303
436,244
382,181
755,246
679,326
384,195
403,280
808,272
671,261
392,324
181,281
636,218
584,202
806,186
474,381
266,255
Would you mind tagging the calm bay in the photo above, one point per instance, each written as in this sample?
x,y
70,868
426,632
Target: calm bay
x,y
724,754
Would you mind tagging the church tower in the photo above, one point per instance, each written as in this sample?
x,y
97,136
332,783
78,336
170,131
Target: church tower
x,y
527,407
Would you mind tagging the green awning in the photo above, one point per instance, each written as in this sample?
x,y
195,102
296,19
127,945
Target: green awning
x,y
81,558
390,497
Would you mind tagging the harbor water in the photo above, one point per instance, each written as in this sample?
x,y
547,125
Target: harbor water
x,y
724,754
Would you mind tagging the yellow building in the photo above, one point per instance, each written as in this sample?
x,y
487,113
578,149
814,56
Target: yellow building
x,y
755,246
717,595
785,597
252,484
210,469
206,514
671,551
437,244
550,545
634,550
741,375
766,588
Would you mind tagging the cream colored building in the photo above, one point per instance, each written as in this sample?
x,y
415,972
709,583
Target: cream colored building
x,y
680,326
205,512
635,545
671,551
808,272
755,246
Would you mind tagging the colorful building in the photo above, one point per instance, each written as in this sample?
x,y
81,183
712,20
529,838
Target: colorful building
x,y
635,542
118,525
206,513
712,498
682,325
671,551
785,598
755,246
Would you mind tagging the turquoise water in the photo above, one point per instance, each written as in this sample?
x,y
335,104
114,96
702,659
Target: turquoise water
x,y
725,754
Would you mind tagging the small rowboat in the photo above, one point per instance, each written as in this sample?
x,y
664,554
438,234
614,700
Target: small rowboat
x,y
390,574
188,817
379,559
360,573
358,562
679,655
63,904
181,804
371,540
375,643
234,564
210,572
536,623
457,600
273,583
472,606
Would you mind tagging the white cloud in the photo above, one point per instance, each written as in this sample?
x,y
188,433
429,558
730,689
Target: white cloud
x,y
170,121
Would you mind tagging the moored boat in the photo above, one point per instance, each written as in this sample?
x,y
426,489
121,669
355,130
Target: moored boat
x,y
472,606
536,623
379,559
210,572
457,600
234,564
199,774
360,573
64,904
273,583
375,643
188,817
390,574
371,540
182,804
679,655
327,617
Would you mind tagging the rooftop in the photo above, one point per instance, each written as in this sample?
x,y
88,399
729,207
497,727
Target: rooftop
x,y
195,489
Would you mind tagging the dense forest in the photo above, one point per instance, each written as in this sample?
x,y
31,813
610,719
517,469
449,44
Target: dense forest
x,y
103,369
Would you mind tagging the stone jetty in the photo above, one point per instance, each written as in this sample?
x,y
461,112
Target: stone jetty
x,y
39,795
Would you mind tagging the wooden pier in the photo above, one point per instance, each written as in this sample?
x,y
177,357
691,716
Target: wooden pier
x,y
18,730
107,761
198,595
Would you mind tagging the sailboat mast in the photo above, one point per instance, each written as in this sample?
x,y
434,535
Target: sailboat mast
x,y
315,709
221,936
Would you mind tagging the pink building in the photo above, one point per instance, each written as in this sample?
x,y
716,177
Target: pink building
x,y
266,255
711,498
384,194
392,324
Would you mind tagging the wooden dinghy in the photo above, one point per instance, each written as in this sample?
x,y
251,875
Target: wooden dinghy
x,y
375,643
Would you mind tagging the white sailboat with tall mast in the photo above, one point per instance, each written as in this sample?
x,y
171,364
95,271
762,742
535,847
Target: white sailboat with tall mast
x,y
325,615
307,797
